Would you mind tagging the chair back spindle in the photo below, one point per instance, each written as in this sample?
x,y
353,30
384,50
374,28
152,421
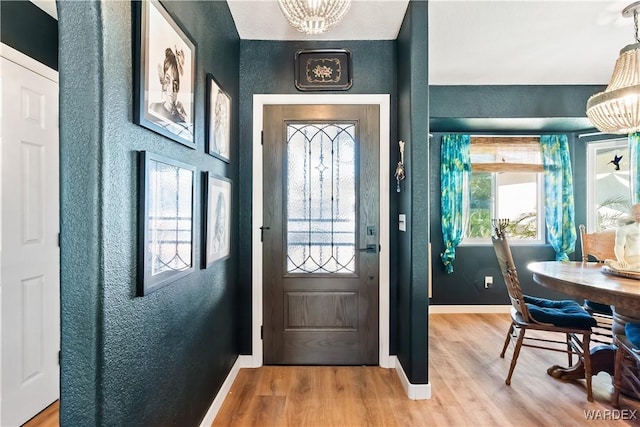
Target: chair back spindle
x,y
508,268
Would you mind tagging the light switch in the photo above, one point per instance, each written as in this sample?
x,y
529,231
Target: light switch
x,y
402,222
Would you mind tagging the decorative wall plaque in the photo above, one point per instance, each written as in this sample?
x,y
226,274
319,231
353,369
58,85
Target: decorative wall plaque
x,y
323,69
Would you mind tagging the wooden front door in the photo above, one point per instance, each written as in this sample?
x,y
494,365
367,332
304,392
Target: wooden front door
x,y
321,234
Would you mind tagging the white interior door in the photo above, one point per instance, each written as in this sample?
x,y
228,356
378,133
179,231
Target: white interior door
x,y
29,253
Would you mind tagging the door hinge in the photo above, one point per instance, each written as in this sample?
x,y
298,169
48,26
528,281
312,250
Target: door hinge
x,y
59,357
379,248
58,239
261,137
261,332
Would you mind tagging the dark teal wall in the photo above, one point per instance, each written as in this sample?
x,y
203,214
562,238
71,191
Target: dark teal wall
x,y
509,101
548,107
25,27
266,67
128,360
413,128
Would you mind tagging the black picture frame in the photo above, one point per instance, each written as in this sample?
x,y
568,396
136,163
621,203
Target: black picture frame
x,y
164,74
323,69
217,198
166,217
218,120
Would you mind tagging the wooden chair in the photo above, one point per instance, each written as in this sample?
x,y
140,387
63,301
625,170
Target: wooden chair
x,y
627,368
560,317
599,246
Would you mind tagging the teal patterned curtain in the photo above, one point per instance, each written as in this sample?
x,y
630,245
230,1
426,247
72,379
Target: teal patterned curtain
x,y
558,194
634,178
455,165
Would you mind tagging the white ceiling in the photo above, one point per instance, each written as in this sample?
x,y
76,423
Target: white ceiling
x,y
48,6
475,42
526,42
365,20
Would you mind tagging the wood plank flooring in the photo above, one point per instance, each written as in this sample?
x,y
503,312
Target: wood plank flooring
x,y
466,376
467,383
50,417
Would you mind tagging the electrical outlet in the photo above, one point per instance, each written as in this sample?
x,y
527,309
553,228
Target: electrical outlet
x,y
488,282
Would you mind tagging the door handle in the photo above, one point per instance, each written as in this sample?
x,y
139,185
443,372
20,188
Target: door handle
x,y
262,232
370,249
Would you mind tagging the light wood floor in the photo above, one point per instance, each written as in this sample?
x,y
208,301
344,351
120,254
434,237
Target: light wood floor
x,y
467,383
466,377
50,417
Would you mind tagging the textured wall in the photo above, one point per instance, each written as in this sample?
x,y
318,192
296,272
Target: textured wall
x,y
266,67
551,103
127,360
413,128
25,27
510,101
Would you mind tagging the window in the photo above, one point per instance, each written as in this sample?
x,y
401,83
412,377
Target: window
x,y
321,198
608,185
506,182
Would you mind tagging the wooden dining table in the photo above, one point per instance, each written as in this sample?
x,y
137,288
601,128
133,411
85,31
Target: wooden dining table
x,y
587,280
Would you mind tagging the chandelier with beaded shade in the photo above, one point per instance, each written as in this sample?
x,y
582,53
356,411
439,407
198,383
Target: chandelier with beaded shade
x,y
617,109
314,16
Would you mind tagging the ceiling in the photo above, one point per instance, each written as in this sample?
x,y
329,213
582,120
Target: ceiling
x,y
478,42
366,20
526,42
475,42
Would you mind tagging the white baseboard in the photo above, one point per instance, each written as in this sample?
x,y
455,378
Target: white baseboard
x,y
414,391
390,362
241,362
461,309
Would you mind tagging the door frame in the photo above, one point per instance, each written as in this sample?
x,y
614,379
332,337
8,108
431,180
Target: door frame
x,y
259,101
26,61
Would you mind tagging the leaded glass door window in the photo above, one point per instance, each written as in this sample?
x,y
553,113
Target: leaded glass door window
x,y
321,198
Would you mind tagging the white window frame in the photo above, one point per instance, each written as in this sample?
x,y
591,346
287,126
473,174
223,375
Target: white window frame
x,y
475,241
592,148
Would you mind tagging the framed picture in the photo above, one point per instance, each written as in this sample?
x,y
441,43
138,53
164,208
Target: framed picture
x,y
218,128
164,74
323,69
165,221
216,214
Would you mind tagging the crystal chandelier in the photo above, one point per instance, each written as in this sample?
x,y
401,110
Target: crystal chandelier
x,y
617,109
314,16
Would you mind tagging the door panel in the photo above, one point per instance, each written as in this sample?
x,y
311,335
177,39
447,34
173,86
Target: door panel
x,y
29,260
321,196
321,310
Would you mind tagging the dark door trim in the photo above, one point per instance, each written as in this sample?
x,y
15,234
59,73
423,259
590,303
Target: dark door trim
x,y
259,101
